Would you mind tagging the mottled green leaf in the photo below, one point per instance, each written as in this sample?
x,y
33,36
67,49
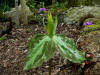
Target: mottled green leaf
x,y
68,50
40,52
34,41
50,49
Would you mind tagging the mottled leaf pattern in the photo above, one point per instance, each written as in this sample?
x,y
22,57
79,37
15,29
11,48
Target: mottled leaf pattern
x,y
42,47
40,52
68,50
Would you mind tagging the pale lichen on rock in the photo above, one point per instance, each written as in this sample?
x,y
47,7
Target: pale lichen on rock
x,y
12,13
77,15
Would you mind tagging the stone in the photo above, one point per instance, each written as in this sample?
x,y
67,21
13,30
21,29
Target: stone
x,y
12,13
4,27
94,20
77,15
90,43
93,27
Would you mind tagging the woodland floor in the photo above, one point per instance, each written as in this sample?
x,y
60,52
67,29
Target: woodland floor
x,y
13,51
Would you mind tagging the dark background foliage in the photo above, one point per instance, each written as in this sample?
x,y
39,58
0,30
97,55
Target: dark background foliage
x,y
6,5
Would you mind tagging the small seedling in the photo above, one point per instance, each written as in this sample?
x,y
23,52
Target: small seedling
x,y
2,38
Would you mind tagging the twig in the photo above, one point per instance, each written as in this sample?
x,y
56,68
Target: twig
x,y
78,40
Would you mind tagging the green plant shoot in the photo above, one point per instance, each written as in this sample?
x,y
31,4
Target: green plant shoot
x,y
2,38
42,47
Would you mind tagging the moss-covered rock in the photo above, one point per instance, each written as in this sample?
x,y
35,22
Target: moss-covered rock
x,y
90,43
77,15
5,27
90,28
94,20
12,13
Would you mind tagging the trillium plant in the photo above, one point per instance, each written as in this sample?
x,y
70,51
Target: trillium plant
x,y
42,47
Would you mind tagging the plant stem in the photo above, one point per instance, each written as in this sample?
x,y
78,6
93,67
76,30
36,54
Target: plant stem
x,y
50,68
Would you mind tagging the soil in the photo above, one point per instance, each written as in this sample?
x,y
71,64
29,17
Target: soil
x,y
13,51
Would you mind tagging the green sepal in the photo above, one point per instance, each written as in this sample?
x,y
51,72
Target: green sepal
x,y
51,26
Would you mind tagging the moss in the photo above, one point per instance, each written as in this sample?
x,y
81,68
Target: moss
x,y
90,28
77,15
85,18
28,30
94,20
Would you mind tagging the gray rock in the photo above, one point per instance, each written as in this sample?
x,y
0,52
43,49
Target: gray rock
x,y
4,27
77,15
90,42
12,13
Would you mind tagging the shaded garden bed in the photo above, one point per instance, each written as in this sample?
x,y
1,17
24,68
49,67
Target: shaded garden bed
x,y
13,50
